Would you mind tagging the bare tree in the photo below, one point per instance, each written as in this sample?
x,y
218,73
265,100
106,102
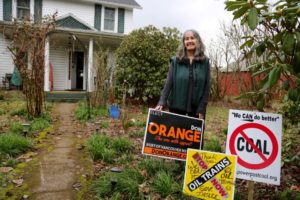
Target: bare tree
x,y
28,50
227,58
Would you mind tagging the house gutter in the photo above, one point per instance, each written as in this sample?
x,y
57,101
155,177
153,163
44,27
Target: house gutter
x,y
115,4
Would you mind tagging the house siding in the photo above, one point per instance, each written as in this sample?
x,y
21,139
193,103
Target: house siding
x,y
83,11
60,63
128,23
6,61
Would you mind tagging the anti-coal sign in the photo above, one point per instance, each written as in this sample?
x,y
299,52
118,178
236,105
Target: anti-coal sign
x,y
255,137
169,135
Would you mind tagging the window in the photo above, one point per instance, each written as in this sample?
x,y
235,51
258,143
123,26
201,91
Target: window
x,y
109,19
23,8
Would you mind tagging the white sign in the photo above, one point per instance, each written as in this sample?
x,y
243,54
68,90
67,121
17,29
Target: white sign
x,y
255,137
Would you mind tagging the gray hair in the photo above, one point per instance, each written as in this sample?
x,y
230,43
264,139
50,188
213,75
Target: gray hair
x,y
200,47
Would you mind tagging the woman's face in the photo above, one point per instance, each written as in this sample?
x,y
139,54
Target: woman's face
x,y
190,41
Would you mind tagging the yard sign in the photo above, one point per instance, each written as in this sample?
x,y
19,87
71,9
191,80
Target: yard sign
x,y
169,135
209,175
255,137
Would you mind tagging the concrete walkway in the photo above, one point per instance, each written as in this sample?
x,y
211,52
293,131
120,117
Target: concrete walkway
x,y
59,168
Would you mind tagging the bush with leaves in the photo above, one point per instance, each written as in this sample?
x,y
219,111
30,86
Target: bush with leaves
x,y
142,61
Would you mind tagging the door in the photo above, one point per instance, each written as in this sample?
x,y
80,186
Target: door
x,y
79,61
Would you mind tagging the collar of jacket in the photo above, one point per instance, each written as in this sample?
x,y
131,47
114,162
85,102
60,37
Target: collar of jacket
x,y
186,60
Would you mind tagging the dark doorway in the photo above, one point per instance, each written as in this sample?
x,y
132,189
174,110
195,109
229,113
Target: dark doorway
x,y
79,61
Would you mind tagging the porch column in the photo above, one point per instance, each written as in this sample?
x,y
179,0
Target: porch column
x,y
47,67
90,65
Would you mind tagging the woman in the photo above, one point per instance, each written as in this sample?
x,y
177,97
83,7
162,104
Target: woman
x,y
187,87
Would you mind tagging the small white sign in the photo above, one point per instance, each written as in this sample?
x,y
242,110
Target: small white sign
x,y
255,137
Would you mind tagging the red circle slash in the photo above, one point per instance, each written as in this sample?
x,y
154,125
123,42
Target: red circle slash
x,y
266,161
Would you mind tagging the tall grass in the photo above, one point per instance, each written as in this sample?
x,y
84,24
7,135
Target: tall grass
x,y
83,113
122,145
96,145
13,144
164,184
153,165
104,148
213,145
125,184
16,127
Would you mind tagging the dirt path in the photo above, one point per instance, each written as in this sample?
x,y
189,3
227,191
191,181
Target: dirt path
x,y
60,166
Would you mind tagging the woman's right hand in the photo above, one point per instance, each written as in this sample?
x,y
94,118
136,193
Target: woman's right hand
x,y
159,107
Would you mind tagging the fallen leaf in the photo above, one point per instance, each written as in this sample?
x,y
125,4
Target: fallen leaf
x,y
295,188
5,169
18,182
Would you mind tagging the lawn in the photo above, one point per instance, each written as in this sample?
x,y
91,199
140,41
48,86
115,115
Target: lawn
x,y
157,178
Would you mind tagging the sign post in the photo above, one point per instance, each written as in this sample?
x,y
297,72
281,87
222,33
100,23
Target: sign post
x,y
169,135
250,190
255,137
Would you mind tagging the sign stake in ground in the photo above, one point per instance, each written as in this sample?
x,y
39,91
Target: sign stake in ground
x,y
255,137
250,190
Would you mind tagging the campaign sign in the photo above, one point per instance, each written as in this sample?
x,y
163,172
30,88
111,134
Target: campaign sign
x,y
209,175
255,137
169,135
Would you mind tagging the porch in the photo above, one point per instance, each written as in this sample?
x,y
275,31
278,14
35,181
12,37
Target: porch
x,y
65,96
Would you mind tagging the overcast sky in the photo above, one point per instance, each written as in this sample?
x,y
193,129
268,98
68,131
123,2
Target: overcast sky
x,y
202,15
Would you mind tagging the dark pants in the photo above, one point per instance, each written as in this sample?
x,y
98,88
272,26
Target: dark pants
x,y
190,115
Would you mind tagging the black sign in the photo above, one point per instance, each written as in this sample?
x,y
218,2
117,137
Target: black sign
x,y
169,135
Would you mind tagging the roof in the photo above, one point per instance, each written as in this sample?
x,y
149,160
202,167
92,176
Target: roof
x,y
71,21
123,3
126,2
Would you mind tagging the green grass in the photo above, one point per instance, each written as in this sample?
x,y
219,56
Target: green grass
x,y
10,162
153,165
102,147
140,124
137,134
19,112
213,145
126,158
2,111
16,127
104,124
3,181
124,185
39,124
96,145
164,184
103,112
216,111
122,145
13,144
83,114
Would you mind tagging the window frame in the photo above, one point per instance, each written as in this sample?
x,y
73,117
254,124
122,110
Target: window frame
x,y
115,20
23,8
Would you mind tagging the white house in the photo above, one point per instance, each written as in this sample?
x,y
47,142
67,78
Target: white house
x,y
69,50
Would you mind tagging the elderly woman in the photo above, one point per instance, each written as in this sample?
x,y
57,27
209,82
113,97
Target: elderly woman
x,y
187,86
